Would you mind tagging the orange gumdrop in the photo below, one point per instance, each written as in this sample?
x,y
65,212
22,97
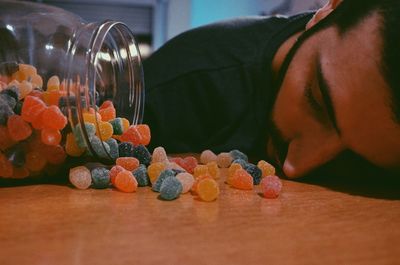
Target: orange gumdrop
x,y
137,134
242,180
126,182
51,136
18,128
54,154
106,104
114,172
129,163
53,118
35,161
198,179
6,168
31,108
5,139
107,113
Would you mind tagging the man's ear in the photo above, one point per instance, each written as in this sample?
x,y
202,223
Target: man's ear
x,y
323,12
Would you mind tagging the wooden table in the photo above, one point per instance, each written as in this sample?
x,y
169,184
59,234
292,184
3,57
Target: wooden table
x,y
312,222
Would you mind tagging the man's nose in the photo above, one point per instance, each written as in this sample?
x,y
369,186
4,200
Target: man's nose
x,y
308,153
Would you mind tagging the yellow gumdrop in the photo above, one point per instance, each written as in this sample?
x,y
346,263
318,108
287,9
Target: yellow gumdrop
x,y
37,81
213,170
89,117
207,189
71,147
19,76
154,170
200,170
53,83
28,70
25,88
105,130
125,124
266,168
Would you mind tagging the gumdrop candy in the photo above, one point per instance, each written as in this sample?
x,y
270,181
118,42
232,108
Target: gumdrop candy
x,y
53,83
125,181
236,154
159,155
163,175
53,118
105,130
266,168
35,161
18,128
142,154
71,146
137,134
101,149
107,113
141,176
255,172
5,139
207,156
224,160
114,150
187,181
117,125
51,136
207,189
231,170
129,163
155,169
200,170
271,186
54,154
125,149
242,180
100,178
114,172
170,189
80,177
213,170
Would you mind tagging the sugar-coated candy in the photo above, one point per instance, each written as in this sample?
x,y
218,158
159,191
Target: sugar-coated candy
x,y
53,83
170,189
125,149
125,181
32,108
188,163
107,113
71,146
20,172
6,168
129,163
5,112
224,160
207,189
100,177
11,91
213,170
197,180
154,170
232,169
54,154
106,104
141,176
241,162
117,125
105,130
25,88
125,124
79,136
16,155
186,180
5,139
271,186
101,149
207,156
142,154
174,166
18,108
242,180
8,100
18,128
114,172
200,170
91,117
137,134
266,168
51,136
159,155
114,150
35,161
255,172
80,177
163,175
236,154
53,118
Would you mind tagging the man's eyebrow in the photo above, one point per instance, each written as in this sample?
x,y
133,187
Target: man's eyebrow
x,y
326,95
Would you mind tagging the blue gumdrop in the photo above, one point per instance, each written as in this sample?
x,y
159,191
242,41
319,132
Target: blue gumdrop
x,y
125,149
255,172
114,151
141,176
170,189
117,125
163,175
236,154
100,178
142,154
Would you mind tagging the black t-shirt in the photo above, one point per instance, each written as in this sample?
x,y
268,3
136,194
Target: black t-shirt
x,y
212,87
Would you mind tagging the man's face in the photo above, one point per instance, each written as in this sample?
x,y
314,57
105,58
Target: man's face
x,y
334,98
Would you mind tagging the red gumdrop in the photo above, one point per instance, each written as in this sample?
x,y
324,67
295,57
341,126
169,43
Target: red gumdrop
x,y
53,118
31,108
54,154
18,128
51,136
5,139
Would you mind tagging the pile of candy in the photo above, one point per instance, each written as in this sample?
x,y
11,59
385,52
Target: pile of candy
x,y
34,132
174,176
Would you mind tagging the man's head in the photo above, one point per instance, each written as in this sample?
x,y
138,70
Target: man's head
x,y
340,89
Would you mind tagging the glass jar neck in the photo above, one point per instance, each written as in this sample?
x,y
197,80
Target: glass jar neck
x,y
103,63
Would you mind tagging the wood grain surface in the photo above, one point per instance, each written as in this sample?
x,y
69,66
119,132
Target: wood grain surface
x,y
312,222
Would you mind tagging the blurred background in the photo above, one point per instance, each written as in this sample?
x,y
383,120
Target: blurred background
x,y
156,21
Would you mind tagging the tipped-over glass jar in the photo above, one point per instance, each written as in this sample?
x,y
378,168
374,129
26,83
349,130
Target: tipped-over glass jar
x,y
67,88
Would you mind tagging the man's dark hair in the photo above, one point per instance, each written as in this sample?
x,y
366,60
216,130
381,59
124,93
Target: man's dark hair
x,y
348,15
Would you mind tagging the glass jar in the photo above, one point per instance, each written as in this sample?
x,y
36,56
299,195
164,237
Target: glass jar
x,y
54,55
